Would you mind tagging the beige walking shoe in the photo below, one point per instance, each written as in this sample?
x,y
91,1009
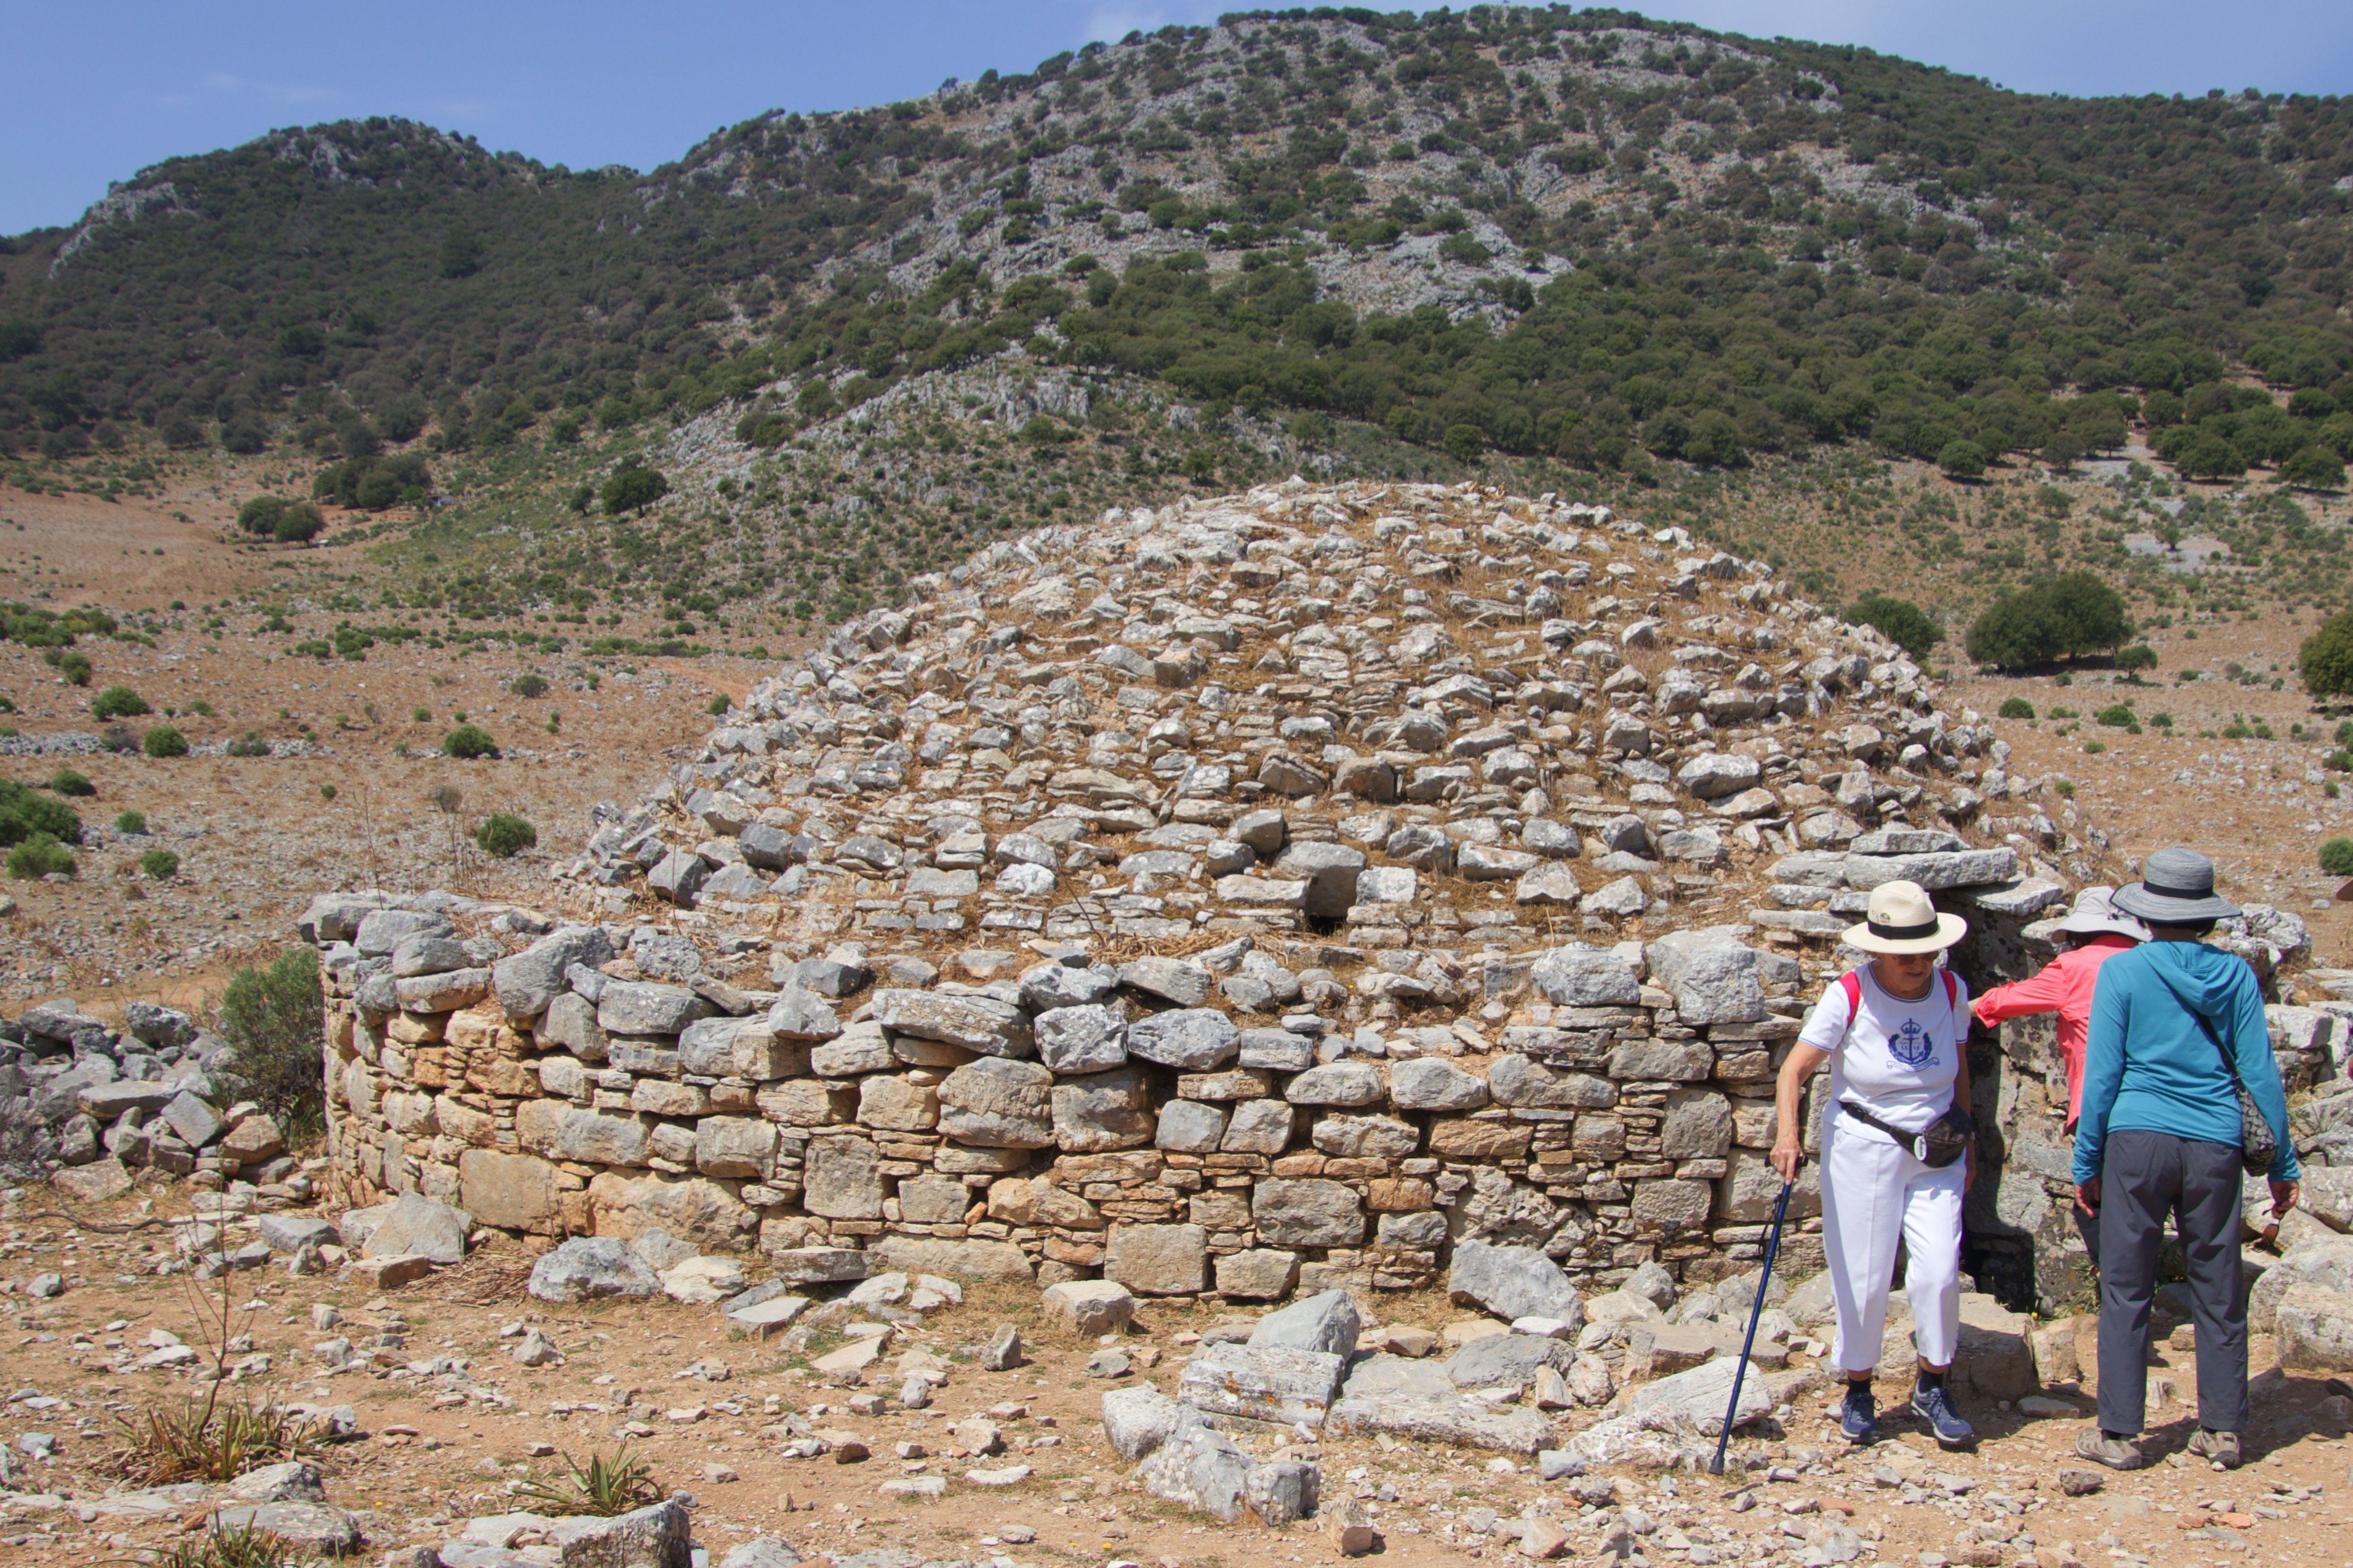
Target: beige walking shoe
x,y
2116,1453
2220,1448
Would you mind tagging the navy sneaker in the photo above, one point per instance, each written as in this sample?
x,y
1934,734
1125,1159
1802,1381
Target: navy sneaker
x,y
1935,1407
1858,1420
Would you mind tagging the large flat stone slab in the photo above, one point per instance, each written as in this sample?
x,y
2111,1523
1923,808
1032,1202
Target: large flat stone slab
x,y
1264,1382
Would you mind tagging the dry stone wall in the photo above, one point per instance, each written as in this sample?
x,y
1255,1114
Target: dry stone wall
x,y
1270,893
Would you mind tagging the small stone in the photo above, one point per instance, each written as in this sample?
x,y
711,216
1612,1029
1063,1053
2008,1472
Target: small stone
x,y
1003,1351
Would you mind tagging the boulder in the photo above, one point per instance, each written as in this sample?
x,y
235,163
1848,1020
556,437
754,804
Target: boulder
x,y
1190,1039
1137,1420
1511,1282
1696,1400
1327,1321
1088,1307
2312,1328
653,1537
1507,1361
1274,1384
980,1024
585,1267
420,1228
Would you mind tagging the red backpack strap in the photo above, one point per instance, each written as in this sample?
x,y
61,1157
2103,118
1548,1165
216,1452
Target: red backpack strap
x,y
1952,989
1851,983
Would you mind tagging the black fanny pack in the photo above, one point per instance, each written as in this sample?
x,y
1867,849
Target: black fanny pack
x,y
1935,1146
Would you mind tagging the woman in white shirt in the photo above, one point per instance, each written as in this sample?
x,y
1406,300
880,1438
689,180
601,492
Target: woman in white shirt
x,y
1897,1150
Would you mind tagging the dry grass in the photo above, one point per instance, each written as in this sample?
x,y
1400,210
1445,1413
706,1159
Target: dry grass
x,y
215,1439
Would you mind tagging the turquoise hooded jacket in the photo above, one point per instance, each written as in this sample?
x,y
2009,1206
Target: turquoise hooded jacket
x,y
2149,1065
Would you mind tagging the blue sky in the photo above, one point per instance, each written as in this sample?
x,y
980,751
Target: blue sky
x,y
99,88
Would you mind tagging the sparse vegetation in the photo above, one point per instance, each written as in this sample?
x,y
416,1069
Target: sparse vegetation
x,y
37,857
131,822
1904,624
217,1437
163,740
602,1486
2337,857
2015,707
25,813
66,782
273,1016
159,865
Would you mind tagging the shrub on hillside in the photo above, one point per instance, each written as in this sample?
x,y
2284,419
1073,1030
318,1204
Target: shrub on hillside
x,y
131,822
273,1018
529,685
2337,857
468,741
24,814
299,525
632,488
505,834
2135,658
39,856
76,668
118,703
2326,659
1962,461
2015,707
1901,621
64,781
160,864
163,740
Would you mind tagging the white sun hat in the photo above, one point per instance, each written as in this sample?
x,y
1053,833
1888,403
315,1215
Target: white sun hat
x,y
1900,919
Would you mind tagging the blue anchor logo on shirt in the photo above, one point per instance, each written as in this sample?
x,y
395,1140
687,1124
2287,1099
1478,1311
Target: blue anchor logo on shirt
x,y
1911,1045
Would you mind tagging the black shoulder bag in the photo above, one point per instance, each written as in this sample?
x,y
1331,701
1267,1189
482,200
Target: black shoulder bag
x,y
2258,1146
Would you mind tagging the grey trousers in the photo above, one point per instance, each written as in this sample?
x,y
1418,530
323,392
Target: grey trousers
x,y
2145,1177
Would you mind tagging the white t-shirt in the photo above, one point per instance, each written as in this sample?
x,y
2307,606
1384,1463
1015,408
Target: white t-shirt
x,y
1898,1060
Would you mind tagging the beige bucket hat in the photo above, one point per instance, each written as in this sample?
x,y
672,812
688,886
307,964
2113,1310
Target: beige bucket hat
x,y
1900,919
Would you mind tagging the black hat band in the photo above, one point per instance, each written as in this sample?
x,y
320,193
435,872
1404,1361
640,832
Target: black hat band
x,y
1903,933
2188,895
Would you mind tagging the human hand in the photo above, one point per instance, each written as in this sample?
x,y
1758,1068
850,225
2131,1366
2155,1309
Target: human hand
x,y
2087,1195
2282,1198
1787,1157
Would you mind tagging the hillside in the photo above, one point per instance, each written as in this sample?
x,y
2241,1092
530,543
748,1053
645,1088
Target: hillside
x,y
1513,243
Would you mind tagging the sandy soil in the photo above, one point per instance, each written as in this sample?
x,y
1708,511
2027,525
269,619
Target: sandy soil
x,y
431,1457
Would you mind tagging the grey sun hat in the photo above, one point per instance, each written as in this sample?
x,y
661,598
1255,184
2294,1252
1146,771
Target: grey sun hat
x,y
2176,888
2096,912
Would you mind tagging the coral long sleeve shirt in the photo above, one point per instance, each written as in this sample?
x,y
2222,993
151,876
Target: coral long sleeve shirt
x,y
2064,986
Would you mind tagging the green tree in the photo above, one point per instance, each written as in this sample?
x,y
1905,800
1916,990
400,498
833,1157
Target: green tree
x,y
632,488
2070,615
1464,442
1901,621
2326,659
1962,459
2315,468
40,855
24,812
461,253
259,515
2135,658
299,525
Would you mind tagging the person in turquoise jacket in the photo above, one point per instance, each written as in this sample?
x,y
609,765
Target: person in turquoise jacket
x,y
2158,1134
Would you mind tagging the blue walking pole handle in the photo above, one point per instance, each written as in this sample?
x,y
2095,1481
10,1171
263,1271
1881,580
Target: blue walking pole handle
x,y
1740,1368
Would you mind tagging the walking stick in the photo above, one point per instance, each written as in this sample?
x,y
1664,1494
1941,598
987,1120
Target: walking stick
x,y
1763,1278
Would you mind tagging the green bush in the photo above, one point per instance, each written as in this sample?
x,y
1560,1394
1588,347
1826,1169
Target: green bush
x,y
1901,621
2115,716
299,525
274,1017
39,856
718,706
529,685
2093,748
2139,657
504,834
163,740
64,781
160,864
131,822
2326,659
2339,760
76,668
118,703
249,744
468,741
2015,707
2337,857
24,814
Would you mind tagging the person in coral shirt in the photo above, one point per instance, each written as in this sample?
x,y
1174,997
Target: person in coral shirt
x,y
2093,931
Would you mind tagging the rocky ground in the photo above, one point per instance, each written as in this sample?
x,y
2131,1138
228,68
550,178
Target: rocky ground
x,y
440,1426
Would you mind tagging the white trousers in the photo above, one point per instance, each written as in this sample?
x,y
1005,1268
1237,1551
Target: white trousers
x,y
1874,1194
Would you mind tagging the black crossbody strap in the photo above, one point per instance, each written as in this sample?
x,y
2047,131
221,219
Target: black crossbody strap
x,y
1908,1139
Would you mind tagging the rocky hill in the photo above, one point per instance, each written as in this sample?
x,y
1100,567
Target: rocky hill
x,y
1379,246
